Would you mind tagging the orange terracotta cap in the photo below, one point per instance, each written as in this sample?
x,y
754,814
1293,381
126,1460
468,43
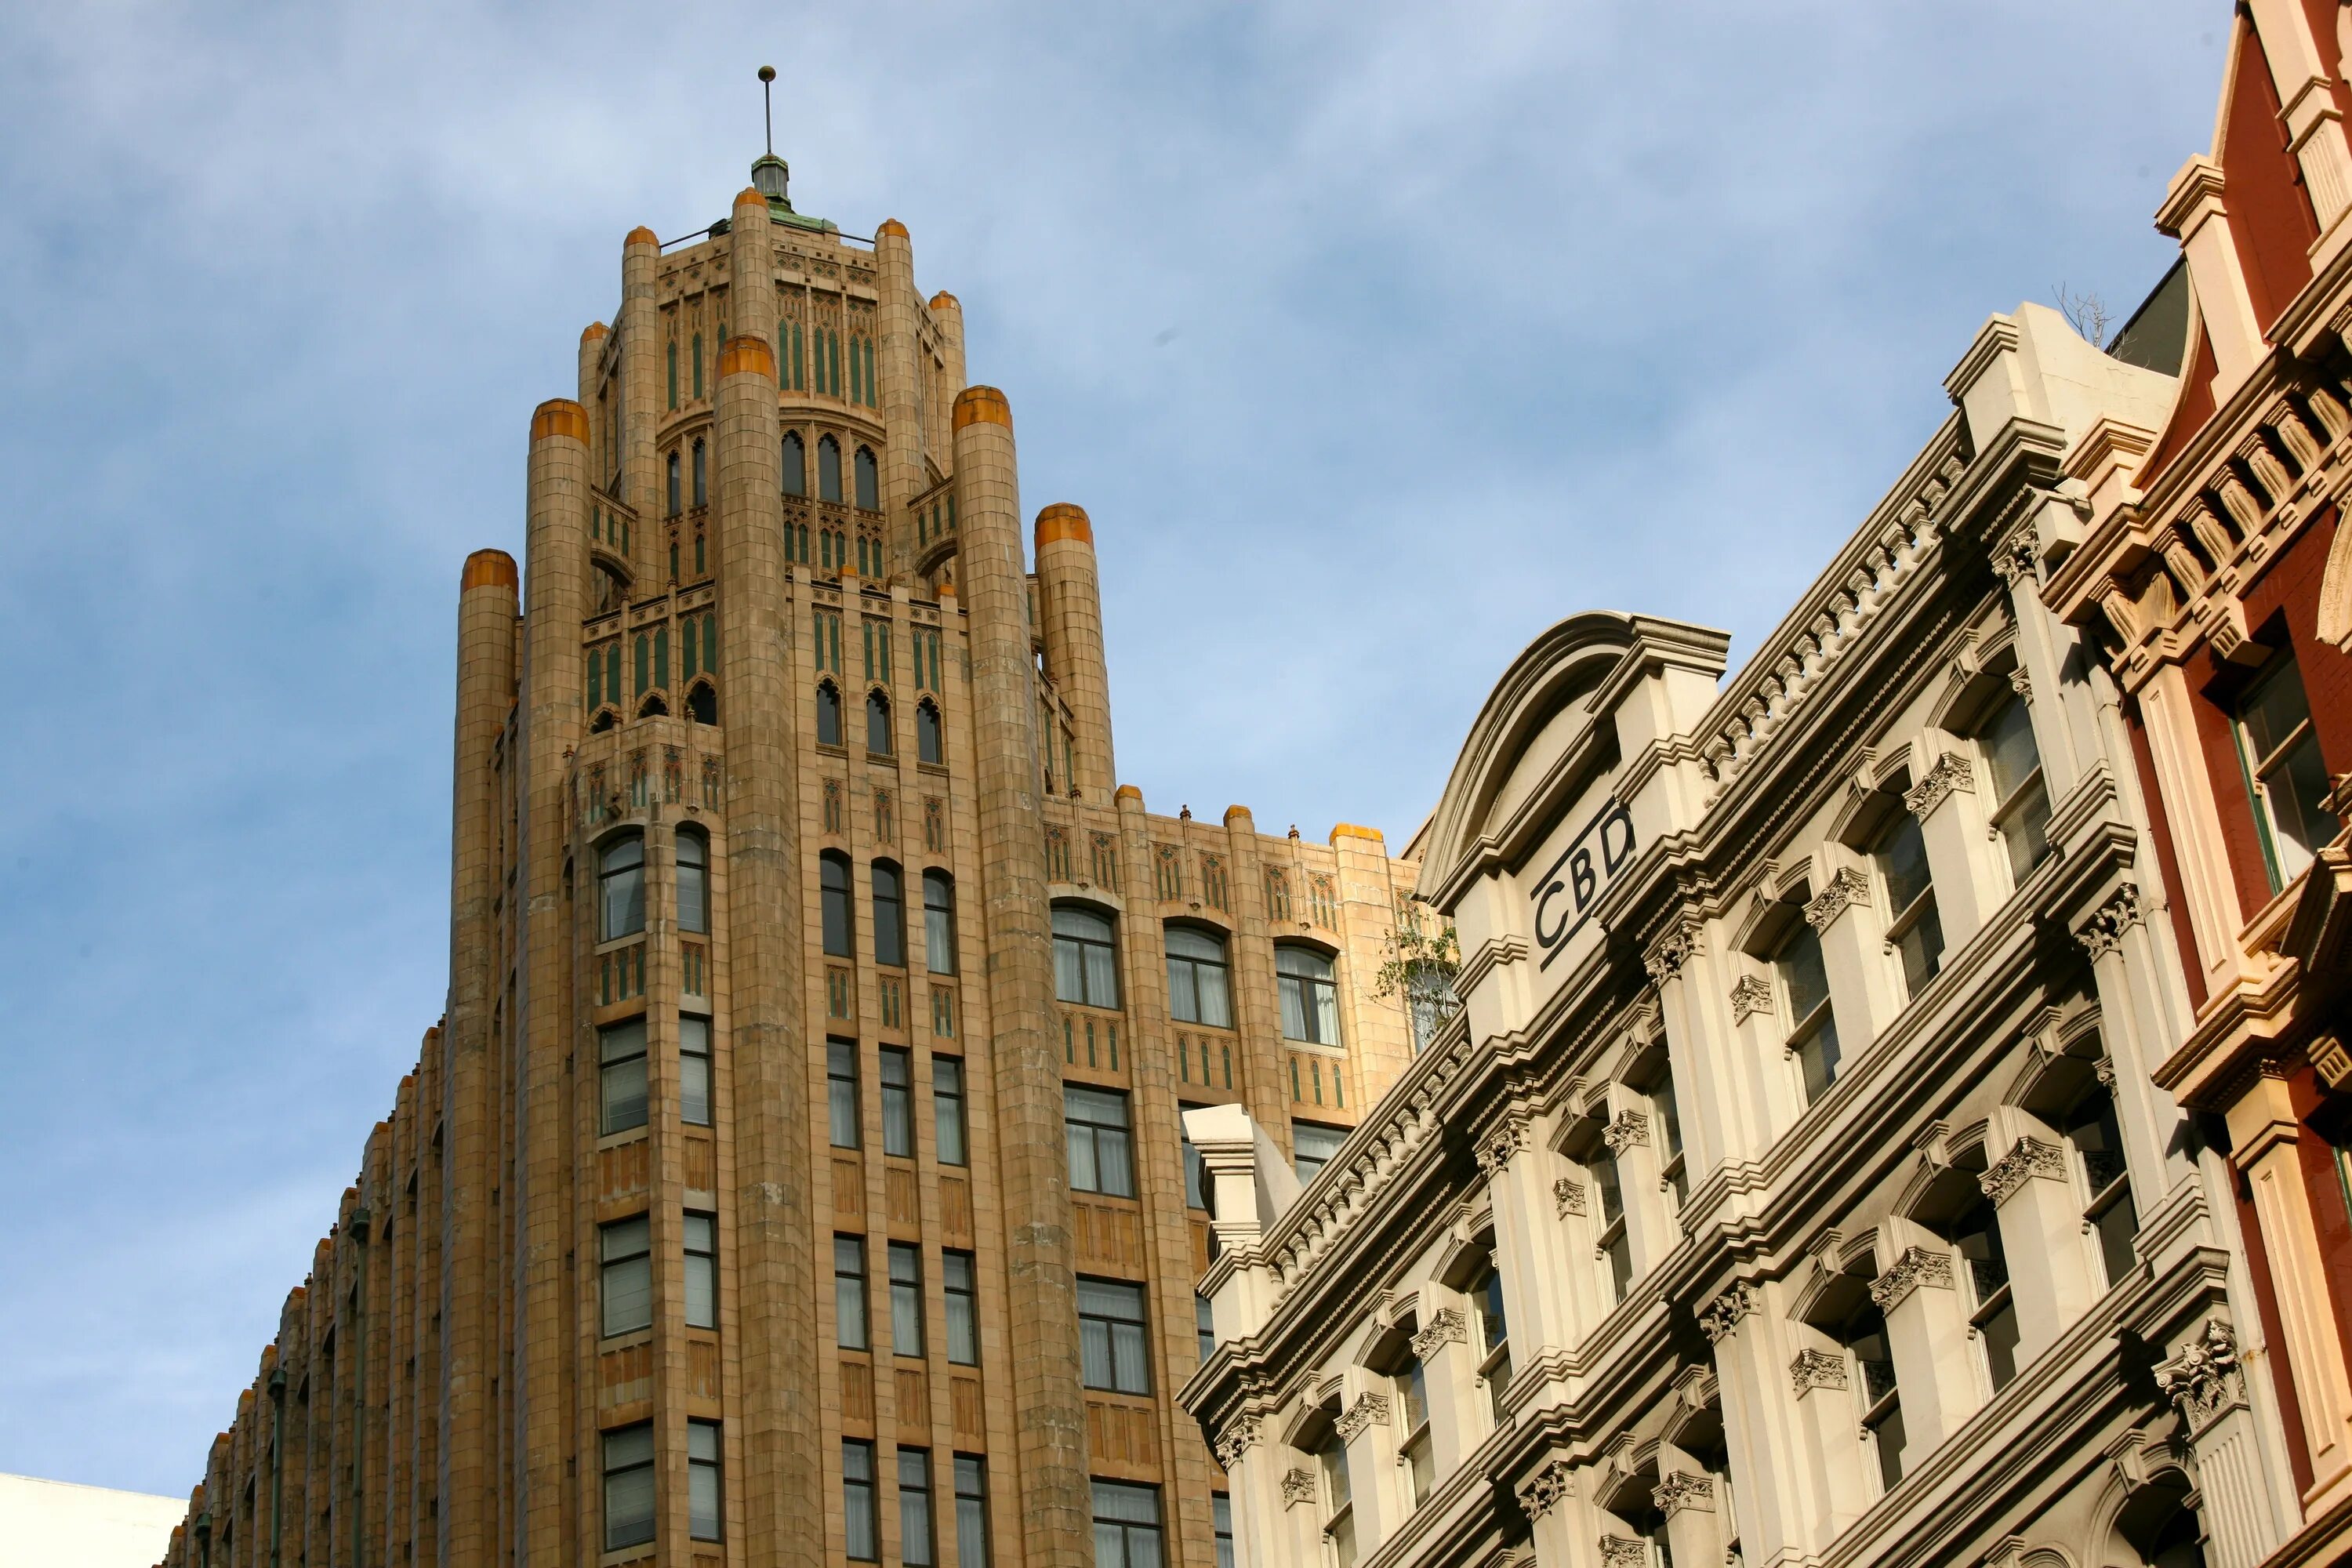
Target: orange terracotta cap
x,y
1128,791
943,301
748,355
892,227
982,404
559,417
641,235
749,196
1350,830
1062,520
595,332
1240,811
946,591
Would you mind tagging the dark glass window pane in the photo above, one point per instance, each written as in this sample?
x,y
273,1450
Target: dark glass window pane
x,y
890,917
834,880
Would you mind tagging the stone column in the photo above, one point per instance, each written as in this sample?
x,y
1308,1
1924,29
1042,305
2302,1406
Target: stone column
x,y
1365,1427
1070,600
1049,1414
1862,990
1532,1251
897,370
2205,1381
778,1426
1927,1335
1699,1517
486,610
639,324
553,708
2264,1135
946,315
1952,828
1548,1496
1457,1423
2050,1276
1266,1078
1789,1503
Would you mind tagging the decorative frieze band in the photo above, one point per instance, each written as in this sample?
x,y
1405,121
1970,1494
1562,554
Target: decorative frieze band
x,y
1950,772
1918,1266
1568,1197
1848,887
2203,1378
1368,1410
1630,1128
1239,1436
2029,1158
1543,1491
1679,1489
1720,1316
2105,929
1751,994
1445,1327
1298,1487
1816,1369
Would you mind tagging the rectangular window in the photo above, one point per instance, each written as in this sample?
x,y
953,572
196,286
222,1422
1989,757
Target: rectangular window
x,y
2021,812
1102,1155
915,1509
849,1293
621,1050
1204,1325
1665,1113
898,1102
702,1475
947,1108
1112,1352
1412,1402
1339,1501
1221,1512
1805,984
971,1512
1614,1246
694,1070
961,1290
857,1501
1913,929
2285,778
629,1487
1312,1146
840,1091
1992,1316
1127,1525
1864,1335
701,1270
1494,1336
624,1251
906,1298
2110,1215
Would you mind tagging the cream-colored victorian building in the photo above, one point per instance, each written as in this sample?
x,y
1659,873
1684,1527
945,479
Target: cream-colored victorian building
x,y
1792,1184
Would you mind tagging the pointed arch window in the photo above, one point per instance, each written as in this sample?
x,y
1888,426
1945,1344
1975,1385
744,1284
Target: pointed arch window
x,y
939,923
673,488
796,464
621,888
889,916
828,470
828,714
693,882
671,352
701,475
697,364
869,480
877,724
929,746
834,885
702,703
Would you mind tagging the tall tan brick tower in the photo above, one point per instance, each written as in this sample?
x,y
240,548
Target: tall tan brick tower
x,y
797,1175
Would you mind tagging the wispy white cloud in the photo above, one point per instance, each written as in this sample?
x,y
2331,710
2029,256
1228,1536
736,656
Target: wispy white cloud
x,y
1375,337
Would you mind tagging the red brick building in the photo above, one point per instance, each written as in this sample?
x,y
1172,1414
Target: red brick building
x,y
2209,564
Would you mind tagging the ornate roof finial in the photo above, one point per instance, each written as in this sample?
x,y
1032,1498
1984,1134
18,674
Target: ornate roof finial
x,y
770,174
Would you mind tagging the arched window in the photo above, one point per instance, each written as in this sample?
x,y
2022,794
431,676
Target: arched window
x,y
828,714
796,464
652,707
1200,983
869,480
621,888
1310,998
929,746
693,881
939,923
702,703
701,474
889,916
674,507
612,589
833,879
877,723
828,470
1086,961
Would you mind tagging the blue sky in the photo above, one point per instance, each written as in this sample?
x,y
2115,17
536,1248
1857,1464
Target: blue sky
x,y
1374,337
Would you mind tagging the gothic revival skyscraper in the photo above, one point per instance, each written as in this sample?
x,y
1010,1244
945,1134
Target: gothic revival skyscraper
x,y
797,1173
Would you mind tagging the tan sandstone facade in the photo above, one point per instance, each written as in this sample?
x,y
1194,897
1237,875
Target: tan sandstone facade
x,y
797,1175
